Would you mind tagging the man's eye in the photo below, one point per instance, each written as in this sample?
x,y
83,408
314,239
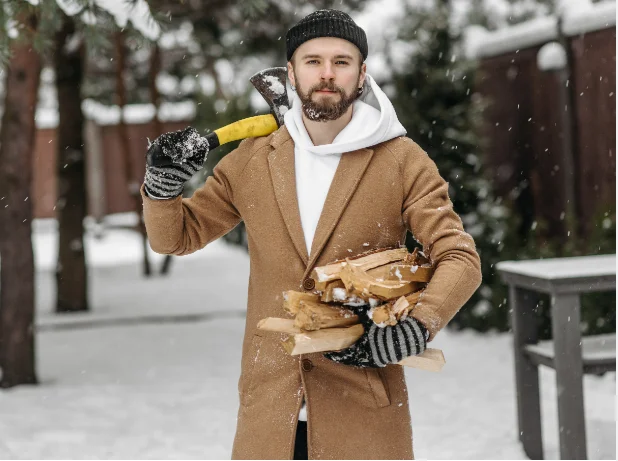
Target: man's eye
x,y
342,62
311,61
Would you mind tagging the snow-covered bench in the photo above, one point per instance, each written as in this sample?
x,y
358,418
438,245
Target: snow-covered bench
x,y
565,279
598,353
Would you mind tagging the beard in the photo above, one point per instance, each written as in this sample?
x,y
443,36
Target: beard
x,y
326,109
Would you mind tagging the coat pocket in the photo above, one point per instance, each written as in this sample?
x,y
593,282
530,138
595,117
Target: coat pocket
x,y
246,380
378,387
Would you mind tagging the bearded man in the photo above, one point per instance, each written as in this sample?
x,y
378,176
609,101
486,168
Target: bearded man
x,y
338,179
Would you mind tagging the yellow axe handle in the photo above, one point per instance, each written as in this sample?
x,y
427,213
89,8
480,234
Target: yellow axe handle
x,y
251,127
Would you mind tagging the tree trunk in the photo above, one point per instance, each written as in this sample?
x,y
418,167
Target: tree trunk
x,y
17,135
132,184
71,209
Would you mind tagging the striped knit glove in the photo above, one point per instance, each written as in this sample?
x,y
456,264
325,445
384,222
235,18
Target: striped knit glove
x,y
380,346
171,160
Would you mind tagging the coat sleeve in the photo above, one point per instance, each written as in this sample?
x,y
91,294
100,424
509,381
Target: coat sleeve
x,y
181,226
428,213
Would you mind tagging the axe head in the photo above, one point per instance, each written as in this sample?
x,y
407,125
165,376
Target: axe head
x,y
270,83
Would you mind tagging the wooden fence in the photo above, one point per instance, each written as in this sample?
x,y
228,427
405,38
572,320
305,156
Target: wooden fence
x,y
524,129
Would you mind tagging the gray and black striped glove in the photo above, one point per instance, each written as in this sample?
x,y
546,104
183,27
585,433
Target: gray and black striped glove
x,y
380,346
171,160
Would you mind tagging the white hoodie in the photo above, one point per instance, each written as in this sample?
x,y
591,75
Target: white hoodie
x,y
373,121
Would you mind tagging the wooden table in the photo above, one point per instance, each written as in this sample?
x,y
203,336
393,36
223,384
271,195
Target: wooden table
x,y
564,279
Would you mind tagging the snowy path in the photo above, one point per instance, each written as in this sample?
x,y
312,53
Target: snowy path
x,y
168,390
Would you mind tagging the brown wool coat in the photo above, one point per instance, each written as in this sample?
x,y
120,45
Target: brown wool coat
x,y
376,195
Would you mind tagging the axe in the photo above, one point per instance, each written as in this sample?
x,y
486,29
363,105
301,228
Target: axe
x,y
270,83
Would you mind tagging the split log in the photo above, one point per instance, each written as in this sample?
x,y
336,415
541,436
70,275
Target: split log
x,y
292,299
399,306
406,304
412,300
314,316
330,272
383,315
331,339
392,312
332,292
342,296
417,258
402,272
358,282
430,360
278,325
410,273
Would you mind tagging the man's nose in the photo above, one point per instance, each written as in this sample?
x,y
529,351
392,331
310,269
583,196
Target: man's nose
x,y
328,72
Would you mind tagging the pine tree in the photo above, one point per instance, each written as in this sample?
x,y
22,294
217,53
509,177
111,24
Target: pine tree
x,y
28,33
17,349
434,100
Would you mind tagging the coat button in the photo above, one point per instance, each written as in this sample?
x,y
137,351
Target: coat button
x,y
308,283
306,365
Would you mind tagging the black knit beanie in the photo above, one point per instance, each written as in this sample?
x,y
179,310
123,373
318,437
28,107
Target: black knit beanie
x,y
326,23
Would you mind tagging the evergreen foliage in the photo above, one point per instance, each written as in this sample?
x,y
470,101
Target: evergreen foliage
x,y
435,102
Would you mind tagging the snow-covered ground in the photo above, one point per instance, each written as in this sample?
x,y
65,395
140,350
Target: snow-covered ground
x,y
152,371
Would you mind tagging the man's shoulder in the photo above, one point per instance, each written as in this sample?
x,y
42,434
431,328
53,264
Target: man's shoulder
x,y
250,146
402,148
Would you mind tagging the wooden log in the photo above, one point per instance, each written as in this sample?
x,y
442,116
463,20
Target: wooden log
x,y
392,312
330,339
328,294
278,325
330,272
382,273
342,296
410,273
383,315
292,299
401,272
315,316
417,258
412,299
400,306
358,282
430,360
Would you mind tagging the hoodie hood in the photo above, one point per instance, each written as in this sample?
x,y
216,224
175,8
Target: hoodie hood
x,y
373,121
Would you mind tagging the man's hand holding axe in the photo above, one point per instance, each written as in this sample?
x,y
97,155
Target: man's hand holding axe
x,y
174,157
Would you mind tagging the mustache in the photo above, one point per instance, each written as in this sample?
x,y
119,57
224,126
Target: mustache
x,y
330,86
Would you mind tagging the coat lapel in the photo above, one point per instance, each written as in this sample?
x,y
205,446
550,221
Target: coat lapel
x,y
349,172
282,173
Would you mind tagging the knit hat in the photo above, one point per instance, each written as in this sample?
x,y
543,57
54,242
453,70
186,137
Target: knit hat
x,y
326,23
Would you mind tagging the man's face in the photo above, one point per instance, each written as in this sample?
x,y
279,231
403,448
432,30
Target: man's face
x,y
327,73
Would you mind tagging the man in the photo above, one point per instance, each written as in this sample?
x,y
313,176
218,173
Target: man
x,y
338,179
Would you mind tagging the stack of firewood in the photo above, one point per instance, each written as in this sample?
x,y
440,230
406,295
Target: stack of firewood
x,y
388,283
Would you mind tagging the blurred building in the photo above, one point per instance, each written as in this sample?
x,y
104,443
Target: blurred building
x,y
525,124
108,191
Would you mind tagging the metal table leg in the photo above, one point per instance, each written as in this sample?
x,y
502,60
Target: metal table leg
x,y
523,304
569,371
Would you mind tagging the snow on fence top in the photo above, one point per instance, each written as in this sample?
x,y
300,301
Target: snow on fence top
x,y
578,19
110,115
600,16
